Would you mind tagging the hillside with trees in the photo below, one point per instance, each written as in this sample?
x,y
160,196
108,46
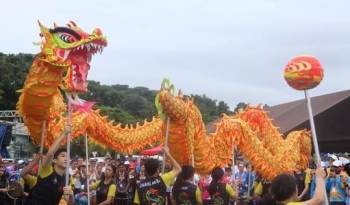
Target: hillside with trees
x,y
121,103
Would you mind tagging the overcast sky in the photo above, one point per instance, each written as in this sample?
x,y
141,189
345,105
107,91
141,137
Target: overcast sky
x,y
229,50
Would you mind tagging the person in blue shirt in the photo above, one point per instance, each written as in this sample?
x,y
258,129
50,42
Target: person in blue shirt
x,y
312,186
241,182
336,185
252,175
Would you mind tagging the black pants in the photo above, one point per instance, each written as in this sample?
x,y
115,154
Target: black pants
x,y
5,202
168,198
122,199
8,201
206,202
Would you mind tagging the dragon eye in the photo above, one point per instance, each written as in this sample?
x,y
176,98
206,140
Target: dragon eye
x,y
292,68
66,38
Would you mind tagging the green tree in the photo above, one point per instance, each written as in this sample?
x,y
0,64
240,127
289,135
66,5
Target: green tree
x,y
117,114
210,109
13,71
222,107
78,148
138,106
240,106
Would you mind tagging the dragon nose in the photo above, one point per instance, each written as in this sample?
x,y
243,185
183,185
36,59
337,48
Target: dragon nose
x,y
97,32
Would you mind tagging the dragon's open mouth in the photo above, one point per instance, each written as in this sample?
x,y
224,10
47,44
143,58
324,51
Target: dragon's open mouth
x,y
80,58
76,79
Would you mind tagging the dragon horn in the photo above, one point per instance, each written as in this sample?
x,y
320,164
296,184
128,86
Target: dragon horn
x,y
73,23
40,24
42,27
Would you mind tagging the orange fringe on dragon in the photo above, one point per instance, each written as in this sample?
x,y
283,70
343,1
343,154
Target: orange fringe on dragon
x,y
63,64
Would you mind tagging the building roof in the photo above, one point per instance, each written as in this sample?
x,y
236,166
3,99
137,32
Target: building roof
x,y
289,115
18,128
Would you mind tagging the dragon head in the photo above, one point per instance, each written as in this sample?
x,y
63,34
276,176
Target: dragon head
x,y
71,48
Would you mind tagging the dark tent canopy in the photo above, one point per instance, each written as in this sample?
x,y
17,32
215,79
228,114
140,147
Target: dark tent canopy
x,y
331,114
332,119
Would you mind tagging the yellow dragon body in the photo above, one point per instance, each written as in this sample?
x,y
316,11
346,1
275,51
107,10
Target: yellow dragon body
x,y
62,66
251,131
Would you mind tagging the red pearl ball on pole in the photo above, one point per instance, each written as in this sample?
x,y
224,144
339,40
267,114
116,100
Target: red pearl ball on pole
x,y
303,72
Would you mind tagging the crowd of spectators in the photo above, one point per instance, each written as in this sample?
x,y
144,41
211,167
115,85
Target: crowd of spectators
x,y
115,181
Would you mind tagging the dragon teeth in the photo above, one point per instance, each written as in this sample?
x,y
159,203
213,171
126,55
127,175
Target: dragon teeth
x,y
91,47
66,53
87,46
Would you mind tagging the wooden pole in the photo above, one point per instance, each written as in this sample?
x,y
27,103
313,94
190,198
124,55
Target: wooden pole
x,y
69,122
314,135
87,168
249,178
234,169
233,161
43,136
42,140
166,142
192,157
194,180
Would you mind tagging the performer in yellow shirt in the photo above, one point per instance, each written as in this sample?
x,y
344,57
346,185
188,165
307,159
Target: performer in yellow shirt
x,y
184,191
152,190
220,192
49,187
284,190
106,188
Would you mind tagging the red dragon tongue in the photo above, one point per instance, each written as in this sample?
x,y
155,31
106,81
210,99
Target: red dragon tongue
x,y
78,104
86,106
80,69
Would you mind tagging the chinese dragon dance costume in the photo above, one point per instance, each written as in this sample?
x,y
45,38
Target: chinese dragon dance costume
x,y
62,66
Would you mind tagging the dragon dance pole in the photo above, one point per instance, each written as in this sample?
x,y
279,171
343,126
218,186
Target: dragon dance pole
x,y
194,179
249,179
192,157
233,160
69,122
87,168
234,168
314,135
305,72
166,141
312,125
43,136
42,140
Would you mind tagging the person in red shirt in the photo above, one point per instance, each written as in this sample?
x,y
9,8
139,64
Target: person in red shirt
x,y
203,185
